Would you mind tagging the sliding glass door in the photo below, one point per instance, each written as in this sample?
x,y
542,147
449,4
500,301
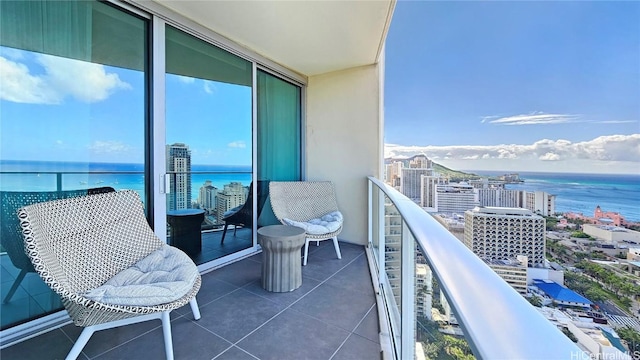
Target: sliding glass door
x,y
209,148
73,113
79,108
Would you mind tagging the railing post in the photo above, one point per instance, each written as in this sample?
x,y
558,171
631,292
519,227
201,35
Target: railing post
x,y
369,214
58,181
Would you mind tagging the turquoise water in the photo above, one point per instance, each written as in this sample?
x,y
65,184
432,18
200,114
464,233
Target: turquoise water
x,y
581,193
44,176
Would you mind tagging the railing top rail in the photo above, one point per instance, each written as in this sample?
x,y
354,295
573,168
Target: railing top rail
x,y
498,322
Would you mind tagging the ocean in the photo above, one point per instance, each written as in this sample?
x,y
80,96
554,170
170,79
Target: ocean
x,y
45,175
581,193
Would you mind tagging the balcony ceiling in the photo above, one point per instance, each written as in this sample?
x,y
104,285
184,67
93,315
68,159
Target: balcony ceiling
x,y
309,37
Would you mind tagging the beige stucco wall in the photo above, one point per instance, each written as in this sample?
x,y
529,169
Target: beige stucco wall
x,y
344,124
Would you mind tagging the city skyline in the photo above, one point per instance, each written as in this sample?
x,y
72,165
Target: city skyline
x,y
515,86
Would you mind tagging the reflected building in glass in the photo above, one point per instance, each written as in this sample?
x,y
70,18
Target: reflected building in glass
x,y
179,164
232,196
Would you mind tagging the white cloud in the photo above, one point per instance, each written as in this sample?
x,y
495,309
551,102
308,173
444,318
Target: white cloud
x,y
540,118
550,157
108,147
237,144
209,87
20,86
62,77
186,79
605,148
534,118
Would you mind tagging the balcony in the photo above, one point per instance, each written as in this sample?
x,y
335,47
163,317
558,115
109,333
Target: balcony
x,y
333,315
370,304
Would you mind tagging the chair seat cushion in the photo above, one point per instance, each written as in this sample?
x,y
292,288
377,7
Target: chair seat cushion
x,y
165,275
324,225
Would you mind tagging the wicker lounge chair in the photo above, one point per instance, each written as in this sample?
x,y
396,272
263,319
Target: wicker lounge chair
x,y
11,235
311,205
98,252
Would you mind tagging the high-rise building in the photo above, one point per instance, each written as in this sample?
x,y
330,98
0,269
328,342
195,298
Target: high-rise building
x,y
393,172
428,186
424,290
233,195
207,197
513,271
393,247
179,167
540,202
495,233
410,182
500,197
486,183
420,162
455,198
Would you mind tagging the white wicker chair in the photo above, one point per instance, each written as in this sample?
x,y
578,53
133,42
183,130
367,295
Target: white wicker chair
x,y
296,202
78,244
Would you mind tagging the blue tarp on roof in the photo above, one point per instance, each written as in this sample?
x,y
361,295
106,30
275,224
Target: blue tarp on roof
x,y
560,293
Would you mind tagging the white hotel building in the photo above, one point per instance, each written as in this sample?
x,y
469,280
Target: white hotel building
x,y
496,233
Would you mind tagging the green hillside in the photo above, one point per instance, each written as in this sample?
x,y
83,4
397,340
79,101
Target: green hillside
x,y
453,175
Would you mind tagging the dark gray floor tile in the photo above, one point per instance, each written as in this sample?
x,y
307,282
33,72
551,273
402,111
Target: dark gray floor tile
x,y
105,340
327,251
237,314
355,276
210,290
358,348
285,298
235,353
51,345
321,268
239,273
190,341
292,335
369,328
336,306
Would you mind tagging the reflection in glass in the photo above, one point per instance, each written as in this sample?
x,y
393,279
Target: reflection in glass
x,y
72,104
209,141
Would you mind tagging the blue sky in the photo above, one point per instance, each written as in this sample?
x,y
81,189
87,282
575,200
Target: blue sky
x,y
513,85
474,85
79,111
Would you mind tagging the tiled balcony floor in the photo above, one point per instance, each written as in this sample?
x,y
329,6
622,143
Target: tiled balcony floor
x,y
331,316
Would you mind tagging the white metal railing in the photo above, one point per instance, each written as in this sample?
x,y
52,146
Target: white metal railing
x,y
498,323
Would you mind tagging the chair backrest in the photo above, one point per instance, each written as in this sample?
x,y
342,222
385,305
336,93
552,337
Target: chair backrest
x,y
76,244
245,214
10,232
302,200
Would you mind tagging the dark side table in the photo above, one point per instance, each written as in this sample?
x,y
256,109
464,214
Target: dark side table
x,y
186,233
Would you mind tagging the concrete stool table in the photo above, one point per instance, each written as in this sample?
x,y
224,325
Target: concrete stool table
x,y
281,266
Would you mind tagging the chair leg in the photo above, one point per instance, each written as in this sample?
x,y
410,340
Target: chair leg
x,y
335,245
194,308
81,342
235,228
166,331
306,251
15,285
224,233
